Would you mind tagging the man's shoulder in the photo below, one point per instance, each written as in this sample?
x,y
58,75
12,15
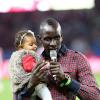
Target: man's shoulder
x,y
75,53
72,51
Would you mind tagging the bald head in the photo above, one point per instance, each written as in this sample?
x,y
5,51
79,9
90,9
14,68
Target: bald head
x,y
49,25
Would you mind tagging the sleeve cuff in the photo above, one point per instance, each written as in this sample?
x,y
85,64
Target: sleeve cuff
x,y
74,86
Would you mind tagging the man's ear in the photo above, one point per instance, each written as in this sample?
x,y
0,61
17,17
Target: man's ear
x,y
38,36
62,37
39,39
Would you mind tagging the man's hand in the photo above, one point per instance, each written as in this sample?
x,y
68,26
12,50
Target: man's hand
x,y
56,70
38,74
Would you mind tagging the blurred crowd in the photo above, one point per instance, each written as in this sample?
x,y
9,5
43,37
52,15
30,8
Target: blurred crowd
x,y
81,28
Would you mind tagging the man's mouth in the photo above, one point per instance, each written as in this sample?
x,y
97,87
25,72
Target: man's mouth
x,y
52,48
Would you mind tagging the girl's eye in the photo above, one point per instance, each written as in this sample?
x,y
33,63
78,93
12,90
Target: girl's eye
x,y
31,44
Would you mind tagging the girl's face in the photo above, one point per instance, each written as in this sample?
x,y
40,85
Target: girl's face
x,y
29,43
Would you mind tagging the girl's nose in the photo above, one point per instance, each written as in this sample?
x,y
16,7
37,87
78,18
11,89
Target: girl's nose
x,y
34,47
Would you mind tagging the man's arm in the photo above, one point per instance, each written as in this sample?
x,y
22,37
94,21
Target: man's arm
x,y
85,86
88,86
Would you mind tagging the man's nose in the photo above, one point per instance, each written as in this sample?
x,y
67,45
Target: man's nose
x,y
53,42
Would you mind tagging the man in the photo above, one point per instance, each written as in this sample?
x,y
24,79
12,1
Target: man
x,y
69,75
72,70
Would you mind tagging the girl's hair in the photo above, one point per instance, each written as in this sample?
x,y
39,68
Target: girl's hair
x,y
19,37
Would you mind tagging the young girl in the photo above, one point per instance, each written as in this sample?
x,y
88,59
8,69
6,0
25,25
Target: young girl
x,y
23,61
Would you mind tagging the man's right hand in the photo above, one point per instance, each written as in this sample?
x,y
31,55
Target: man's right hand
x,y
38,74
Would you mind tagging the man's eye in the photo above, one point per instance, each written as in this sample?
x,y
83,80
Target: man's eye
x,y
47,39
57,38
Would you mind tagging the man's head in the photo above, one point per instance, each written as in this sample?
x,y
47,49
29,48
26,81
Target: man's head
x,y
50,34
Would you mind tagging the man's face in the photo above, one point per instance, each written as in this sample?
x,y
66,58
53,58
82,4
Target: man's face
x,y
51,38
